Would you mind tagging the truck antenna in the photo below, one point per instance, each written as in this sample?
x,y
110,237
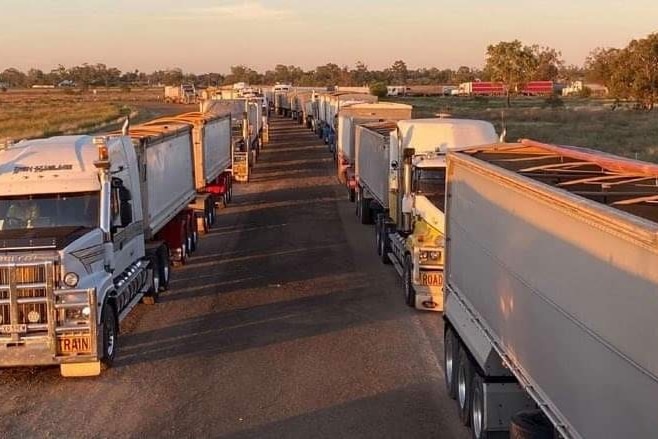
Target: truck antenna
x,y
125,130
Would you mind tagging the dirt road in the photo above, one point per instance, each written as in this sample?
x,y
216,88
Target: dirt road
x,y
283,325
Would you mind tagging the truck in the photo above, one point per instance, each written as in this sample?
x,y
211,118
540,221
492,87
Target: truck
x,y
349,116
87,229
538,88
180,94
248,123
550,292
329,104
400,186
482,88
211,134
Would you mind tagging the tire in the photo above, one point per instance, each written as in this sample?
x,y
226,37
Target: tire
x,y
164,264
378,236
450,356
384,246
478,428
153,293
531,424
350,195
464,387
357,206
366,213
110,335
409,292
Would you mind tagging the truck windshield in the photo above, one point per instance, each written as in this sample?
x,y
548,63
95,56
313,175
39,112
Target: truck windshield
x,y
431,182
50,211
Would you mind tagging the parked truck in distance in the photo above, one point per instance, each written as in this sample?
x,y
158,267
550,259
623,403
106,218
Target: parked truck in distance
x,y
400,185
180,94
550,297
87,227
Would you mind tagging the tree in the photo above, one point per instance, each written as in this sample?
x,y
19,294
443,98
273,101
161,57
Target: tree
x,y
511,63
400,72
379,89
13,77
629,73
549,63
464,74
34,77
360,75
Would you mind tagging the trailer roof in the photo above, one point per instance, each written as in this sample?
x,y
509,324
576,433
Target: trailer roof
x,y
155,131
384,128
192,117
626,184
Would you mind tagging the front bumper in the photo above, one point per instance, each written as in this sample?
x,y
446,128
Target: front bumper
x,y
37,354
429,298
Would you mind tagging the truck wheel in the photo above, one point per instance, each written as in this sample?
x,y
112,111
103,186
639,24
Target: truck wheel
x,y
151,296
378,237
450,355
464,386
531,424
164,264
110,335
409,292
478,429
350,195
366,213
357,206
384,247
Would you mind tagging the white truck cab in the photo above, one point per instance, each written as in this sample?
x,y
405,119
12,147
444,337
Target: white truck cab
x,y
73,260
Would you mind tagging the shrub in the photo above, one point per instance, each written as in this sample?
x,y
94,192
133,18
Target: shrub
x,y
379,89
585,92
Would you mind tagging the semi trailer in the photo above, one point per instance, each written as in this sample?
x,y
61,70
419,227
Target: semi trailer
x,y
180,94
87,229
550,293
349,116
400,185
329,105
248,123
213,160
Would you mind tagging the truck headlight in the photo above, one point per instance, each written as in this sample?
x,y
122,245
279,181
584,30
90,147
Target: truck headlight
x,y
430,256
71,280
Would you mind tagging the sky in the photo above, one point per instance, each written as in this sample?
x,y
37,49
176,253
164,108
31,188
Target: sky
x,y
212,35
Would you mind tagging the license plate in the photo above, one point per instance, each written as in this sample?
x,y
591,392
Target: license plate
x,y
431,278
74,344
13,329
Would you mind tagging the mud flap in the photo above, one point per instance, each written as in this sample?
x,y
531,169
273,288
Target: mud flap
x,y
71,370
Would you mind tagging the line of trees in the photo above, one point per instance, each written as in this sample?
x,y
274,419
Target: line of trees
x,y
630,73
100,75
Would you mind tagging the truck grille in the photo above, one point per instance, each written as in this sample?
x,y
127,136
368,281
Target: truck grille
x,y
24,298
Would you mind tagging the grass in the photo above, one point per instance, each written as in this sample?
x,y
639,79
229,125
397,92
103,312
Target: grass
x,y
589,123
42,113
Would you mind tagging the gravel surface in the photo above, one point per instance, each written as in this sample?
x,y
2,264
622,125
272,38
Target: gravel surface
x,y
283,325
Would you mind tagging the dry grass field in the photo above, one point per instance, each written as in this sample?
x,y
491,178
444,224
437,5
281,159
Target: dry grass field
x,y
40,113
581,122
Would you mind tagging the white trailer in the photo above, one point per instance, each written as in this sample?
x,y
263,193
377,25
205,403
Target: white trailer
x,y
213,155
349,116
551,287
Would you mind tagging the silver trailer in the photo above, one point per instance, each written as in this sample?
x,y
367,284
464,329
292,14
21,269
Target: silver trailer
x,y
165,156
551,284
373,152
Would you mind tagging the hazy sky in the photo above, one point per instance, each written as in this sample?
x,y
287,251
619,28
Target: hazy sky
x,y
211,35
